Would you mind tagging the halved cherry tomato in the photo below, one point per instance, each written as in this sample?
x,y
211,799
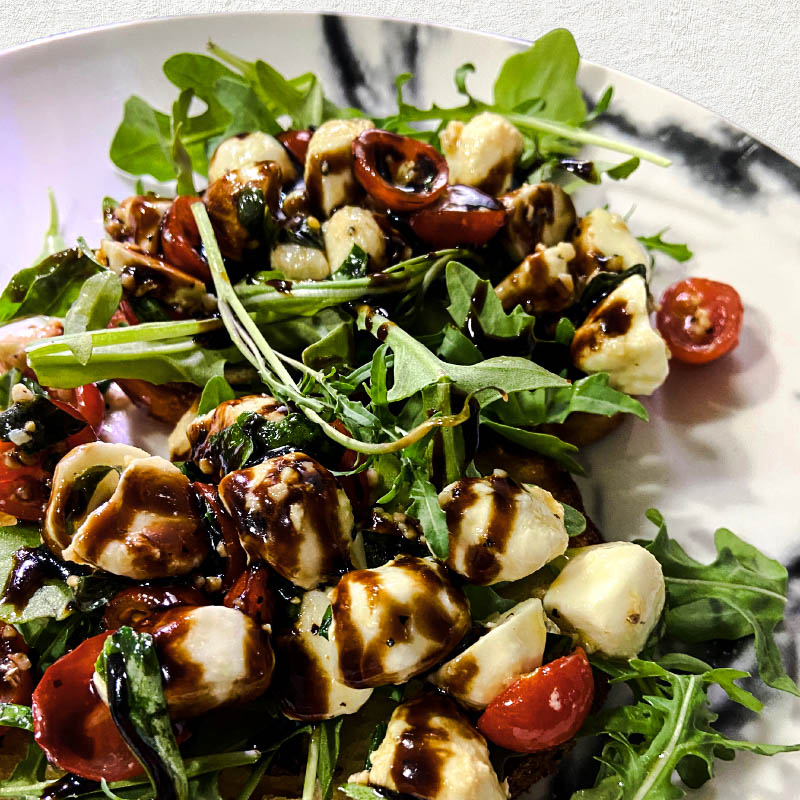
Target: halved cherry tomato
x,y
296,142
700,319
130,606
73,725
83,402
24,488
251,595
399,172
16,682
180,239
462,216
542,709
236,557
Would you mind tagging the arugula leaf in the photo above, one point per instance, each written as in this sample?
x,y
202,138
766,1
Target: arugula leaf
x,y
28,774
545,72
456,348
741,592
484,601
130,667
336,347
142,144
216,391
680,252
7,381
49,287
53,241
544,443
425,507
99,298
474,300
180,155
416,367
16,716
248,113
329,733
652,738
592,395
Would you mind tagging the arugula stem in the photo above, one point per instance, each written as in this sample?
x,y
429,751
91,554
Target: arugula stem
x,y
310,782
584,136
255,777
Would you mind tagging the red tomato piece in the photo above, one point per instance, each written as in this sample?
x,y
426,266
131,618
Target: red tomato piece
x,y
251,595
132,605
235,555
296,142
24,488
73,725
401,173
700,319
542,709
461,216
16,681
180,239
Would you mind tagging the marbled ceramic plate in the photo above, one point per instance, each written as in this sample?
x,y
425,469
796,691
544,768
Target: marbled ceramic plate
x,y
722,447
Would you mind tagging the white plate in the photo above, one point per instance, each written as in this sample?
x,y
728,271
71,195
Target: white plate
x,y
722,447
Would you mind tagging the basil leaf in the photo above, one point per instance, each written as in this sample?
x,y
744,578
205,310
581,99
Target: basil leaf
x,y
680,252
600,287
130,667
484,601
36,424
354,266
325,624
574,521
216,391
741,592
50,287
16,716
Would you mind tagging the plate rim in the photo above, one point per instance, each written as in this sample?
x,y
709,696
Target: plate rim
x,y
25,48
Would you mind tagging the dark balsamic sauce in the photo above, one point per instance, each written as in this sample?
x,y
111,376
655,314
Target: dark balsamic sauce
x,y
69,786
30,568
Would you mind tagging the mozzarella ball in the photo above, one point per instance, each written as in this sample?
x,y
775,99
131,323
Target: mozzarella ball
x,y
354,226
611,595
202,431
291,513
396,621
329,164
74,466
308,687
536,214
603,241
501,530
542,283
246,149
617,338
148,528
137,220
223,202
300,262
482,153
211,656
513,646
432,753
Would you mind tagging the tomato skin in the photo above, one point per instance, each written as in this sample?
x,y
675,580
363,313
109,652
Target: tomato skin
x,y
132,605
24,488
461,216
251,595
700,319
542,709
16,681
296,142
376,151
180,239
73,725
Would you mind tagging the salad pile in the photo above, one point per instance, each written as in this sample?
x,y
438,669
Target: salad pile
x,y
364,567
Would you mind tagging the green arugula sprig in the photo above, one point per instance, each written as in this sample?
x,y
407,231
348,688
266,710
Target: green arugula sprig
x,y
680,252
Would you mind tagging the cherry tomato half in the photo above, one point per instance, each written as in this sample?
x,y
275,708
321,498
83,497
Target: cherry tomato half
x,y
700,319
84,402
461,216
130,606
250,594
180,239
296,142
73,725
16,682
236,558
24,488
401,173
542,709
